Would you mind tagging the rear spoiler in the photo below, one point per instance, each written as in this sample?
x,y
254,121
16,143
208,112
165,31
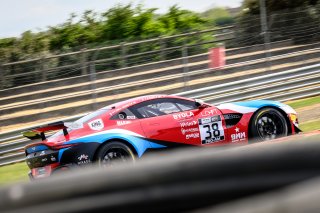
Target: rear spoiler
x,y
39,132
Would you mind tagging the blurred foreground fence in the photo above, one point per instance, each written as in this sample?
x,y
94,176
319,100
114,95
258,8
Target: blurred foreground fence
x,y
282,86
183,181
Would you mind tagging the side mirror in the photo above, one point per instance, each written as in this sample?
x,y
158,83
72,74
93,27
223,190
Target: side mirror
x,y
200,103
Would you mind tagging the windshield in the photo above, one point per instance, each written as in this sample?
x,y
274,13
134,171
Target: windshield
x,y
80,121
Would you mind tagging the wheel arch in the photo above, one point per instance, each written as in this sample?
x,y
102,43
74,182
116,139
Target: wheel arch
x,y
115,140
274,107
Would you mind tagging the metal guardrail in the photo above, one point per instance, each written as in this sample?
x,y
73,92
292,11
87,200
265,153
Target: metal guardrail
x,y
158,79
283,86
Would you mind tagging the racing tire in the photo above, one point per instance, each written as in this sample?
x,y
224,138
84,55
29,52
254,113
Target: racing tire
x,y
113,153
268,124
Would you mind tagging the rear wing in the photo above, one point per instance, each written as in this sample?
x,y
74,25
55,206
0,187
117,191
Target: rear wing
x,y
39,132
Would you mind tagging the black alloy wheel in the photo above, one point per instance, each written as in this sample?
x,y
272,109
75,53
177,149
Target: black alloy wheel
x,y
113,153
268,124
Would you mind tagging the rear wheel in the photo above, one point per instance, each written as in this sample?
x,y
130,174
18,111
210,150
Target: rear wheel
x,y
268,124
115,152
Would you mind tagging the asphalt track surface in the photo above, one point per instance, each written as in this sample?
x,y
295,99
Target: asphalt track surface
x,y
178,181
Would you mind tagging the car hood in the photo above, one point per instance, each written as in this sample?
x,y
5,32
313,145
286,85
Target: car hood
x,y
252,106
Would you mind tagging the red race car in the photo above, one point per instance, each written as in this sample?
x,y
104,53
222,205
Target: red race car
x,y
128,129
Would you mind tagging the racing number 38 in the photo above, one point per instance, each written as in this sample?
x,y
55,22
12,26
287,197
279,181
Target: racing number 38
x,y
211,129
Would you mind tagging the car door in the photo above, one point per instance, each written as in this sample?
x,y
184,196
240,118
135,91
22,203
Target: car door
x,y
169,120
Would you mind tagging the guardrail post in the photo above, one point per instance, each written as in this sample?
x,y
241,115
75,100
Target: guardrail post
x,y
123,54
83,62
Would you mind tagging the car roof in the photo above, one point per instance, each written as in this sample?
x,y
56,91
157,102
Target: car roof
x,y
136,100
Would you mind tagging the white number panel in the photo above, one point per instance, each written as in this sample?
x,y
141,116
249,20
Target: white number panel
x,y
211,129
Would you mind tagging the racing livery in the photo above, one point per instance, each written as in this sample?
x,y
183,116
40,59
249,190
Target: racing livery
x,y
127,130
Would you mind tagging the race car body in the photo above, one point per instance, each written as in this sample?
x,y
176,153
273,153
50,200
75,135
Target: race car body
x,y
128,129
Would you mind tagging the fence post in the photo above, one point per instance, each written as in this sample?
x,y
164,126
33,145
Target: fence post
x,y
44,71
123,55
162,45
265,32
93,78
83,62
185,62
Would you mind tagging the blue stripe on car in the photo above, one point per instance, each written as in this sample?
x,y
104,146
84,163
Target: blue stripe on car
x,y
36,149
139,144
259,103
60,153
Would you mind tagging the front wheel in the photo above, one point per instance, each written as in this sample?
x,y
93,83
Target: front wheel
x,y
268,124
114,152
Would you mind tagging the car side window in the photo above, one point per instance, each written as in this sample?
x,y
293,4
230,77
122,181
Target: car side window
x,y
159,107
125,114
186,106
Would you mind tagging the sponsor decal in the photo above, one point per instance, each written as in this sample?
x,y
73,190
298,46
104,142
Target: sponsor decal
x,y
44,159
185,131
188,123
209,120
209,112
42,153
122,116
121,123
192,135
211,129
231,116
96,124
182,115
83,159
132,117
84,162
53,158
238,136
294,119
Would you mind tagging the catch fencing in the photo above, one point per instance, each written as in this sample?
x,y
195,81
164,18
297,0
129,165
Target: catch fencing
x,y
282,86
110,57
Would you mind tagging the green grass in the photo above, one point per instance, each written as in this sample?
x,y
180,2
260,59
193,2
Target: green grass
x,y
310,126
304,102
13,173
